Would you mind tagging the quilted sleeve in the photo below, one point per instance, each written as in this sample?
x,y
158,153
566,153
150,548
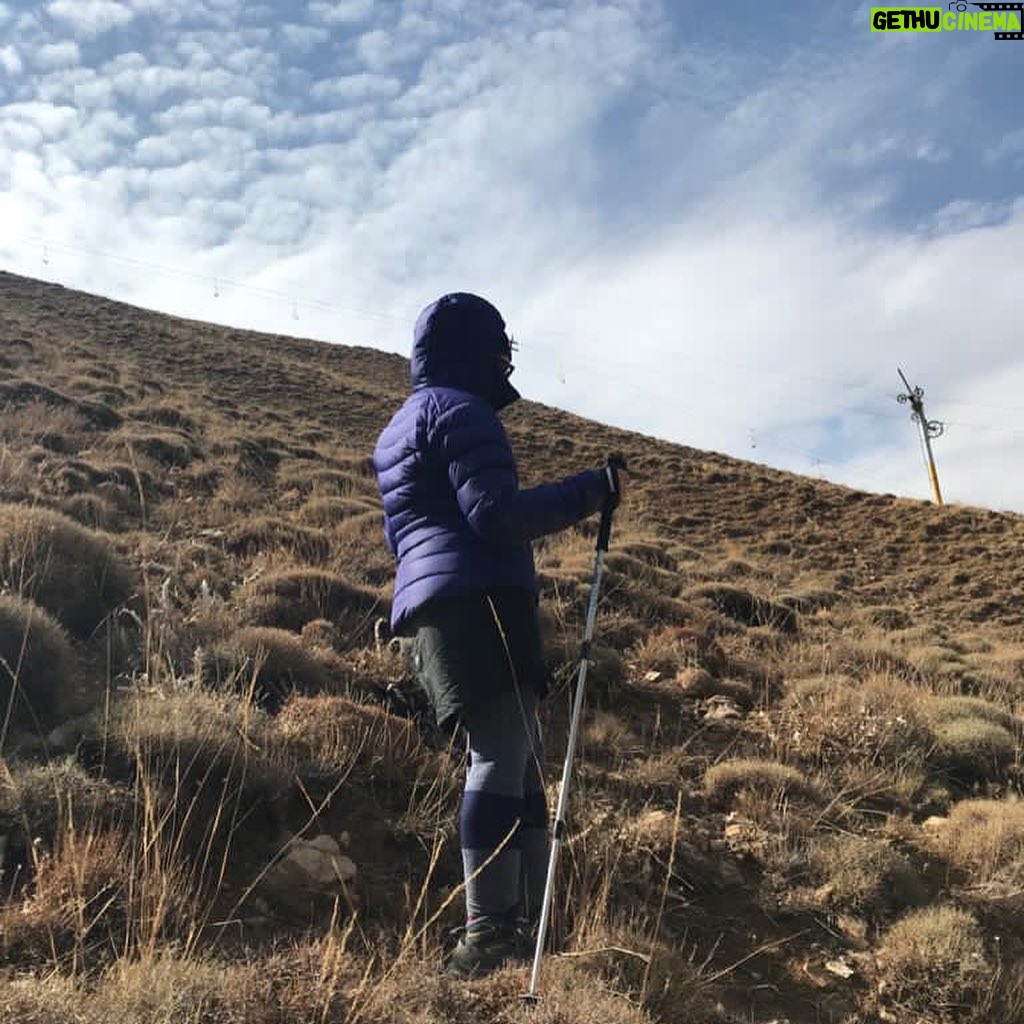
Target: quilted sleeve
x,y
482,472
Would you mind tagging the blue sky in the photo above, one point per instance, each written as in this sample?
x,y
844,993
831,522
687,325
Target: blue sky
x,y
725,225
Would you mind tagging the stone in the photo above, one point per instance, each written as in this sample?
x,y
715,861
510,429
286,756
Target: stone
x,y
309,869
721,709
839,968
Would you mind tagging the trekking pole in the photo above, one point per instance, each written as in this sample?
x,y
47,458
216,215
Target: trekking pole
x,y
604,534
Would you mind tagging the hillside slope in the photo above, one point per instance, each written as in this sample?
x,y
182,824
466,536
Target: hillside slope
x,y
800,761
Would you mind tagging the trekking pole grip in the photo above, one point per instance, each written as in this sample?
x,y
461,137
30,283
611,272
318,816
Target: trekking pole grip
x,y
615,464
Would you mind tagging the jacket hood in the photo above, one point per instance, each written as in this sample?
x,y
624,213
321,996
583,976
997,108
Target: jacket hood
x,y
456,342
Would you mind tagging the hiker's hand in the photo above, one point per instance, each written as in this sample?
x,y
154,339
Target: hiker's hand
x,y
617,477
623,475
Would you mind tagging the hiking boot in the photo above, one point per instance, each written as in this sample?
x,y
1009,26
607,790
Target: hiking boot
x,y
485,947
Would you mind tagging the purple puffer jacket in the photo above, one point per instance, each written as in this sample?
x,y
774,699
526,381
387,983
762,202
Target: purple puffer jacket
x,y
454,515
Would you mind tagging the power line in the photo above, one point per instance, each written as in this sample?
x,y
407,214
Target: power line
x,y
219,286
218,282
573,360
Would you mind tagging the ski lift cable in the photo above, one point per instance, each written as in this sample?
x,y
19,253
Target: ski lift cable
x,y
565,361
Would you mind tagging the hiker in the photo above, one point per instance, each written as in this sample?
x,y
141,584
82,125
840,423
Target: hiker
x,y
466,596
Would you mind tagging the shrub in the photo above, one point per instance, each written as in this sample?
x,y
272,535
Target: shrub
x,y
324,482
743,606
865,876
60,796
650,551
985,840
936,662
948,709
810,600
971,737
888,617
606,671
332,733
167,449
26,392
206,763
290,599
839,722
165,415
696,682
271,664
91,511
672,648
37,665
723,781
328,511
253,536
933,961
257,458
64,567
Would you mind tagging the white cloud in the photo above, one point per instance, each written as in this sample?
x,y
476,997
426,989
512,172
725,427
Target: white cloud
x,y
80,87
341,12
304,37
358,88
964,214
657,218
57,55
151,84
1010,147
51,121
10,61
90,17
162,150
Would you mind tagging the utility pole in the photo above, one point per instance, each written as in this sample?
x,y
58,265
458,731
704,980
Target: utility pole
x,y
914,397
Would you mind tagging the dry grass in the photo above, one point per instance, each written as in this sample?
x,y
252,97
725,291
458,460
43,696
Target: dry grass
x,y
334,733
268,665
722,782
933,964
865,876
984,840
266,534
38,683
69,570
289,599
870,684
972,738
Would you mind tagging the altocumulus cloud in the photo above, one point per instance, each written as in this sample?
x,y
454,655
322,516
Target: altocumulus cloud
x,y
90,17
713,240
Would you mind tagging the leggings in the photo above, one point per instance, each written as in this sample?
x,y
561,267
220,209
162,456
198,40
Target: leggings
x,y
504,806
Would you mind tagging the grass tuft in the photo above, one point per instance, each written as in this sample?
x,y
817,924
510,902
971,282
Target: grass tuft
x,y
291,598
333,733
865,876
933,962
984,839
38,681
69,570
766,778
743,606
267,664
972,738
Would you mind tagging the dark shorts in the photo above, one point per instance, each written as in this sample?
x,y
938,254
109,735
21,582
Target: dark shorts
x,y
471,648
